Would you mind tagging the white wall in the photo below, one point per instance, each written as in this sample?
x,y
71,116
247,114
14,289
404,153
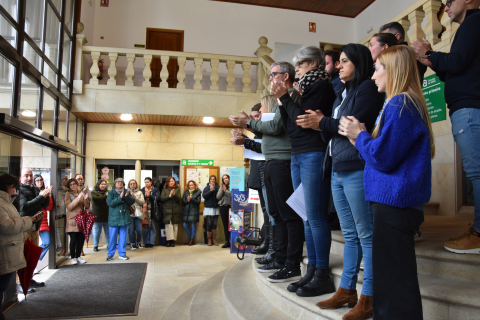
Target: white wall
x,y
210,26
377,14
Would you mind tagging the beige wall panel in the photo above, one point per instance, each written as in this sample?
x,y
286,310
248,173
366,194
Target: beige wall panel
x,y
444,149
219,135
237,153
179,104
116,101
128,132
441,128
206,151
100,132
176,134
447,202
85,102
170,151
443,177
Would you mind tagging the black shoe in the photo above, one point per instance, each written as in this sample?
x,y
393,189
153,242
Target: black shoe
x,y
270,267
35,284
272,247
168,244
20,290
320,284
95,249
133,247
172,243
263,248
226,245
293,287
285,275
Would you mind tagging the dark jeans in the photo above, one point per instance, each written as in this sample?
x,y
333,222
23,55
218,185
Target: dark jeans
x,y
211,222
224,215
266,221
288,224
5,280
396,294
76,244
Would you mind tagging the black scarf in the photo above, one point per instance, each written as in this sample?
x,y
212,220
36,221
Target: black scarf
x,y
313,76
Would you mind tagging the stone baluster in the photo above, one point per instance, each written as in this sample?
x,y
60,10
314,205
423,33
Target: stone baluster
x,y
260,76
181,72
214,76
230,75
446,22
198,76
266,80
263,84
164,73
147,72
112,70
416,18
246,80
94,70
406,26
433,27
130,72
81,40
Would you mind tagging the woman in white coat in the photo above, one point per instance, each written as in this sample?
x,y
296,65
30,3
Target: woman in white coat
x,y
137,216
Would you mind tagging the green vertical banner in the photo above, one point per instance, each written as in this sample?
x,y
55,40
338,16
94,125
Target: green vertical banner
x,y
433,91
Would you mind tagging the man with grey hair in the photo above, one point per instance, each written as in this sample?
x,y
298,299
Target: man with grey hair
x,y
276,148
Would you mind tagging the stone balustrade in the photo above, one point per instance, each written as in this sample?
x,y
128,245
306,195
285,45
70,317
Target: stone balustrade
x,y
112,55
438,31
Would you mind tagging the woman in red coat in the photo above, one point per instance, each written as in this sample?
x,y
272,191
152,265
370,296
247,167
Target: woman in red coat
x,y
44,230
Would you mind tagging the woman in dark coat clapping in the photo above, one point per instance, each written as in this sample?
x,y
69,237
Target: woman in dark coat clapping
x,y
192,197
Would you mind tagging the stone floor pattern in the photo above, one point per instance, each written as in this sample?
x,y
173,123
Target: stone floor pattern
x,y
170,272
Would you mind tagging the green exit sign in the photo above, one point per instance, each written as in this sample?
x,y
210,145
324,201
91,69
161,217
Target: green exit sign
x,y
197,162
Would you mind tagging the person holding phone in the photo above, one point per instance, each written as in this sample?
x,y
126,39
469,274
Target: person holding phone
x,y
211,210
75,201
12,227
44,231
118,201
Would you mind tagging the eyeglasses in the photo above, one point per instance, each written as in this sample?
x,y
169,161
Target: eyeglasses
x,y
72,184
79,179
449,3
39,180
273,74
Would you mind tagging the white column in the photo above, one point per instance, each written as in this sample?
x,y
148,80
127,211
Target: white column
x,y
198,74
130,72
147,72
214,76
230,75
81,40
164,72
246,80
406,26
433,27
181,72
112,70
416,18
94,70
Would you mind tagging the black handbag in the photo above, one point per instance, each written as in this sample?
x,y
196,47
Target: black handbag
x,y
253,181
157,212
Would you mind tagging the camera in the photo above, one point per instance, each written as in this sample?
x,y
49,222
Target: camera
x,y
139,130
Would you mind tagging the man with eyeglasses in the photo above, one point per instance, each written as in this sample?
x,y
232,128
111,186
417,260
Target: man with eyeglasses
x,y
276,148
460,70
32,201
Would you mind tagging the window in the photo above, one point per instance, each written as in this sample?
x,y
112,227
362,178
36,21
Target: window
x,y
29,101
6,84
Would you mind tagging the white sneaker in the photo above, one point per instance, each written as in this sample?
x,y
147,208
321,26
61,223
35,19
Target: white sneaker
x,y
123,258
74,261
81,261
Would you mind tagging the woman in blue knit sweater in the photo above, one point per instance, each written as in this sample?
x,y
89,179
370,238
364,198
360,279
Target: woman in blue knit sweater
x,y
397,181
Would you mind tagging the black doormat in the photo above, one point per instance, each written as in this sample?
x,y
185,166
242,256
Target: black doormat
x,y
85,291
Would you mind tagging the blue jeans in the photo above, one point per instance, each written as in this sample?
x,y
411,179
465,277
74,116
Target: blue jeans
x,y
97,231
187,230
307,170
149,234
270,218
466,133
135,225
356,220
119,233
45,236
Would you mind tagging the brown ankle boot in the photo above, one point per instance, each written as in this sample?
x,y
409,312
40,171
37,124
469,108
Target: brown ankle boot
x,y
363,309
187,242
209,236
341,297
214,237
192,242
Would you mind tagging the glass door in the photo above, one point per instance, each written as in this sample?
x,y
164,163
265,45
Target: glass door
x,y
63,173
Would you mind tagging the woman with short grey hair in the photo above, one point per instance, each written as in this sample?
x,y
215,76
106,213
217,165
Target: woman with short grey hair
x,y
307,156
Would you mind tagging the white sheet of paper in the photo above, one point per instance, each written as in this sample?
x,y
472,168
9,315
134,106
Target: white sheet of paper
x,y
250,154
268,116
297,202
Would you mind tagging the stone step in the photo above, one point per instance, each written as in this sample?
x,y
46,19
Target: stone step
x,y
180,308
207,303
432,258
243,298
442,298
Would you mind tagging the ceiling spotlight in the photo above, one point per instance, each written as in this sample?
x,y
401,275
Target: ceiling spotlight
x,y
208,120
126,117
28,113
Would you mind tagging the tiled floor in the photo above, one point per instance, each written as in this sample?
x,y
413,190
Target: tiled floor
x,y
170,272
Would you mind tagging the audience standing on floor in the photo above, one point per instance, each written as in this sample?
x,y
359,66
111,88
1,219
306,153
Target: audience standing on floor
x,y
211,210
172,209
136,215
100,209
192,197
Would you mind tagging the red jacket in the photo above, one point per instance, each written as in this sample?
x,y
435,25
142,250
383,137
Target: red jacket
x,y
44,225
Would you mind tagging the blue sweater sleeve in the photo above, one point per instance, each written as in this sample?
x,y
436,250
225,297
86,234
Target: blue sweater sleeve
x,y
395,139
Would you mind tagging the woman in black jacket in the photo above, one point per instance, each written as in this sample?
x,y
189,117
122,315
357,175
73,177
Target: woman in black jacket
x,y
212,209
192,197
308,153
359,98
152,199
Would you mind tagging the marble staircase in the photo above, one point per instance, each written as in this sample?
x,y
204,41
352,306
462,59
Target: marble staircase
x,y
449,285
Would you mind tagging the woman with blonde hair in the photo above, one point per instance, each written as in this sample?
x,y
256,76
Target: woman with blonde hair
x,y
268,102
192,197
398,173
172,209
136,215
